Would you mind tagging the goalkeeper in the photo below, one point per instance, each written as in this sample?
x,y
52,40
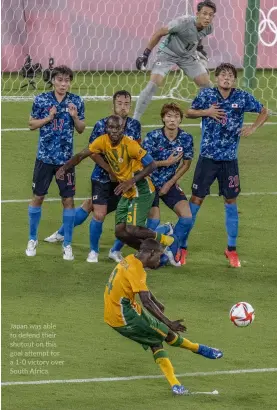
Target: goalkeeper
x,y
181,46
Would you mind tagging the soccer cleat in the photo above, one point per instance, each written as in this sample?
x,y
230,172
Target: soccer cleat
x,y
209,352
171,258
181,256
115,255
31,249
233,258
170,227
67,253
92,257
55,237
179,390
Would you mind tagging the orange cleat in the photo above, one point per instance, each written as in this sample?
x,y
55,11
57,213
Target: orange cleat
x,y
233,258
181,256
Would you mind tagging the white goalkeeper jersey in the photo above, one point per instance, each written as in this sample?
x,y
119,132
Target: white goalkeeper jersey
x,y
183,37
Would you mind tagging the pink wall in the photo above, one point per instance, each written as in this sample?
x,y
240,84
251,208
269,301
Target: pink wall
x,y
108,34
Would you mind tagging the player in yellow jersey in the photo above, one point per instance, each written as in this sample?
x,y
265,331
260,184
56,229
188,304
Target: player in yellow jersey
x,y
146,324
127,162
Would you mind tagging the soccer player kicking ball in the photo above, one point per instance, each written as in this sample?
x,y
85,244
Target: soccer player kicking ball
x,y
172,150
182,37
130,164
222,110
56,114
147,324
103,199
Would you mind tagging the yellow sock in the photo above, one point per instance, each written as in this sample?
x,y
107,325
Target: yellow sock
x,y
167,369
179,341
164,240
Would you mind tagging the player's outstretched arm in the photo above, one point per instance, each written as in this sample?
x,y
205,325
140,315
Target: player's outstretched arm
x,y
75,160
150,305
142,60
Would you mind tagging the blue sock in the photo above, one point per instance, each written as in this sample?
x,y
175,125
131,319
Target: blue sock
x,y
68,223
117,246
95,231
232,223
175,246
194,210
34,218
182,228
80,216
152,223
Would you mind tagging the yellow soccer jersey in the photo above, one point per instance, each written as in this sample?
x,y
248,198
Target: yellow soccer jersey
x,y
127,279
124,159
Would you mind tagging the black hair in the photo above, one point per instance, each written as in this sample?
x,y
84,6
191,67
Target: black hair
x,y
149,245
226,66
120,93
62,69
206,3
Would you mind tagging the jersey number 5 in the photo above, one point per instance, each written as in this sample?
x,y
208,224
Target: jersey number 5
x,y
111,279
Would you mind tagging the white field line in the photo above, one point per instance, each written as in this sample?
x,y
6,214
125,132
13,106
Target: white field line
x,y
143,126
129,378
10,201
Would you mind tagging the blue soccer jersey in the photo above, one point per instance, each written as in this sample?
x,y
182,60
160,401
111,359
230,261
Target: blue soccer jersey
x,y
220,140
56,137
132,129
160,148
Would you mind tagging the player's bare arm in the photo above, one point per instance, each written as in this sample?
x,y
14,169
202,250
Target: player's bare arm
x,y
213,111
260,120
179,173
35,123
75,160
157,302
150,305
126,185
78,124
142,60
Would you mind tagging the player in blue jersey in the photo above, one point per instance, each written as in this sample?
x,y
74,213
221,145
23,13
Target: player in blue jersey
x,y
172,150
222,110
103,199
56,114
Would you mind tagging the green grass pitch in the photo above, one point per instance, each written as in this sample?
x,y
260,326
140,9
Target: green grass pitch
x,y
46,289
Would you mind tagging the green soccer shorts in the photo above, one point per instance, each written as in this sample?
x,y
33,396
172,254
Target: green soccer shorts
x,y
144,329
135,211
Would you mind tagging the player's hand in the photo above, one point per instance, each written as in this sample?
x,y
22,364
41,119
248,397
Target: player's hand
x,y
52,112
177,326
142,60
60,173
247,130
173,158
72,109
124,186
165,188
215,112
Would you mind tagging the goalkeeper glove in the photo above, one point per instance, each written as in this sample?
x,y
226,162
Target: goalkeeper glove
x,y
142,60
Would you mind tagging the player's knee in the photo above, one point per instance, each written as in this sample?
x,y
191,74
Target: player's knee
x,y
99,215
132,230
120,232
196,200
37,200
230,201
203,81
87,205
68,203
156,80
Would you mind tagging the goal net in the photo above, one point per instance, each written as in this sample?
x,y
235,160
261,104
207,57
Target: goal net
x,y
100,40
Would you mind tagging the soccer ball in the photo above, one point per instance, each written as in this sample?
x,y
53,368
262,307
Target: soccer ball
x,y
242,314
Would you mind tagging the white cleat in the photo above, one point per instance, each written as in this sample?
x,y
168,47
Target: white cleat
x,y
115,255
55,237
67,253
92,257
171,258
31,248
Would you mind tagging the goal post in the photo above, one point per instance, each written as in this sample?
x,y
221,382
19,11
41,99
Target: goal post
x,y
101,39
